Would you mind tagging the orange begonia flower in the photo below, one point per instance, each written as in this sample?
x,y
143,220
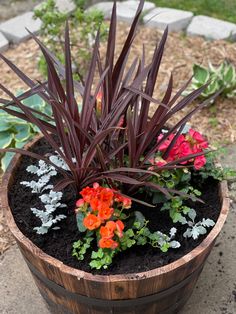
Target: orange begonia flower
x,y
91,222
105,243
107,231
105,213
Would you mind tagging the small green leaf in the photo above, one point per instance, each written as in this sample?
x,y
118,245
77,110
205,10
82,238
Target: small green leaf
x,y
34,101
23,132
4,126
5,160
200,74
139,218
80,217
5,139
21,144
229,74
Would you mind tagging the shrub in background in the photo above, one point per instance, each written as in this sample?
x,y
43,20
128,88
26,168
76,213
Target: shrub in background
x,y
83,27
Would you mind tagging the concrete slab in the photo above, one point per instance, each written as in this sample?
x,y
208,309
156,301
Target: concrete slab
x,y
125,10
65,6
19,294
176,20
15,29
105,7
4,43
211,28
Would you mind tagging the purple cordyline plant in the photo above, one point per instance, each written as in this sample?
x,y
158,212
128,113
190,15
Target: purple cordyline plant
x,y
115,141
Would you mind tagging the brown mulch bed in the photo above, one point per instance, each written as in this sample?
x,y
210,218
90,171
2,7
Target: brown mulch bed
x,y
218,121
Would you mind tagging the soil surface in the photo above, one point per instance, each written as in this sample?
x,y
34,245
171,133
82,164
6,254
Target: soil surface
x,y
59,243
12,8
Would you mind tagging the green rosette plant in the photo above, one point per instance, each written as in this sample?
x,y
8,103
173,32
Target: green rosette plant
x,y
15,132
222,80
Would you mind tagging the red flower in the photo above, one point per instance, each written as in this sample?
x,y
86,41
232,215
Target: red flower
x,y
166,143
92,222
199,162
107,231
99,102
105,243
185,145
105,213
199,140
181,149
119,228
126,201
87,194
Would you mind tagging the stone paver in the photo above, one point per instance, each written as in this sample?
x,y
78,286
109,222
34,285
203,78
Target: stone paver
x,y
176,20
125,10
66,6
105,7
3,43
15,29
211,28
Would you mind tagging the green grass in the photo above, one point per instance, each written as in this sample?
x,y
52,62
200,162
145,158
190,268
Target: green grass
x,y
222,9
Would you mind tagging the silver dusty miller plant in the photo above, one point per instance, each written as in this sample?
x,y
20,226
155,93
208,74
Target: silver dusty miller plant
x,y
195,229
52,200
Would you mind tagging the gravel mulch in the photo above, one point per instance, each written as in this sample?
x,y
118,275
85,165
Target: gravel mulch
x,y
218,121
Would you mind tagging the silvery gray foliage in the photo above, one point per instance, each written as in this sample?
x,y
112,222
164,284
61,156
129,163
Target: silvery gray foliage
x,y
51,200
163,239
59,162
173,243
44,172
194,230
47,219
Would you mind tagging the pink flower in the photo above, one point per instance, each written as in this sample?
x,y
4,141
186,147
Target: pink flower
x,y
96,185
191,143
199,162
80,202
197,140
166,143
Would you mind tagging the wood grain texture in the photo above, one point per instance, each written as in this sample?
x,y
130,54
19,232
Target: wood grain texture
x,y
113,287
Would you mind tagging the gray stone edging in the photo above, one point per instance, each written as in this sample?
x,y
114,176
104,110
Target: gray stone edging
x,y
14,30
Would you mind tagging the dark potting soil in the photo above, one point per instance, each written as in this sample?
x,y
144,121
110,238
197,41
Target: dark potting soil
x,y
58,243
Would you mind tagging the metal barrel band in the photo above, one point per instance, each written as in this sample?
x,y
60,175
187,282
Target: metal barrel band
x,y
61,309
51,285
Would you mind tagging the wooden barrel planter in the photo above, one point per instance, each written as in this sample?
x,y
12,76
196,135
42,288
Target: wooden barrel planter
x,y
163,290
